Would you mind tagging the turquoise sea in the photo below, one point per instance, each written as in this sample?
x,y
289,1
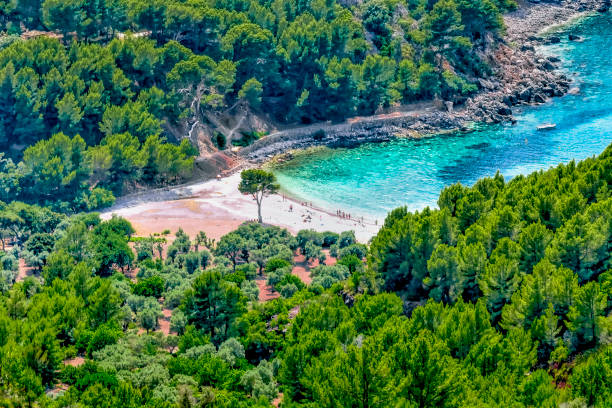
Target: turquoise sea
x,y
372,179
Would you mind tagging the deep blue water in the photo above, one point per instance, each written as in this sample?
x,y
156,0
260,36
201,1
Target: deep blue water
x,y
372,179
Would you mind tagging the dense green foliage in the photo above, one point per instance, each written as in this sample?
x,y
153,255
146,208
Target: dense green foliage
x,y
502,298
90,122
309,60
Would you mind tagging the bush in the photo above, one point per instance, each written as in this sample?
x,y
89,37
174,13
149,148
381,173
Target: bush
x,y
249,270
312,251
358,250
149,314
178,321
7,279
144,249
103,336
259,382
98,198
8,261
153,286
192,262
352,262
219,140
290,279
276,263
347,238
319,135
288,290
330,238
326,276
231,351
275,277
173,298
237,277
305,236
250,290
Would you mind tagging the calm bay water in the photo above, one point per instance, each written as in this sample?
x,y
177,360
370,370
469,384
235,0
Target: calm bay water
x,y
372,179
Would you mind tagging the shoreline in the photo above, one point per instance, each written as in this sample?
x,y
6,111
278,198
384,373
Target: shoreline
x,y
216,206
522,77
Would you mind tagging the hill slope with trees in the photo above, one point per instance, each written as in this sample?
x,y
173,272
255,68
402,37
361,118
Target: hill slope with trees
x,y
502,297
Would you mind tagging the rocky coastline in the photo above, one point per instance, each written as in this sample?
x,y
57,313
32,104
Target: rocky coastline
x,y
521,76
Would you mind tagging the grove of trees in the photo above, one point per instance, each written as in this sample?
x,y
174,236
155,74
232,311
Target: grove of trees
x,y
502,297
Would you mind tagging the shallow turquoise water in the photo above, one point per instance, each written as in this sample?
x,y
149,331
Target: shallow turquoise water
x,y
372,179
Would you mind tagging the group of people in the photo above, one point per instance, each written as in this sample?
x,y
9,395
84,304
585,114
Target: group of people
x,y
342,214
339,213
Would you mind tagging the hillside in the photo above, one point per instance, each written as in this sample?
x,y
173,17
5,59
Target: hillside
x,y
502,297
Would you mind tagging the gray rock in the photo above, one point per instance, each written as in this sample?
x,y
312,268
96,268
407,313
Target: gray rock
x,y
539,98
504,111
547,65
526,95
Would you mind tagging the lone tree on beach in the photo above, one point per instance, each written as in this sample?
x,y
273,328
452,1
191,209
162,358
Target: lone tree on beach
x,y
258,183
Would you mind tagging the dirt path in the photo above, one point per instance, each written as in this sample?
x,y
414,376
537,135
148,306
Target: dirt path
x,y
409,110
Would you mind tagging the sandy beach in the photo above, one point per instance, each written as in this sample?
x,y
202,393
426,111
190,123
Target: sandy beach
x,y
217,207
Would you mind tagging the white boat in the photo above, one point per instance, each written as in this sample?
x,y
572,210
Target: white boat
x,y
547,126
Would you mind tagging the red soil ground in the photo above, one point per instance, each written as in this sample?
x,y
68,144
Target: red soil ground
x,y
301,268
266,292
164,321
24,271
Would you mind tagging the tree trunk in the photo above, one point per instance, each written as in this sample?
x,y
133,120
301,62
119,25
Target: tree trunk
x,y
259,212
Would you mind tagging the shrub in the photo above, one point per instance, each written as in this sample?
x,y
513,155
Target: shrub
x,y
276,263
153,286
347,238
330,238
326,276
103,336
359,250
288,290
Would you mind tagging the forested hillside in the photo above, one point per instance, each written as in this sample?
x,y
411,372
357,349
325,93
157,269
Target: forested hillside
x,y
112,100
502,297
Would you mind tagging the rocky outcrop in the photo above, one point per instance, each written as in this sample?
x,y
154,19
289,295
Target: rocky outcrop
x,y
522,76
